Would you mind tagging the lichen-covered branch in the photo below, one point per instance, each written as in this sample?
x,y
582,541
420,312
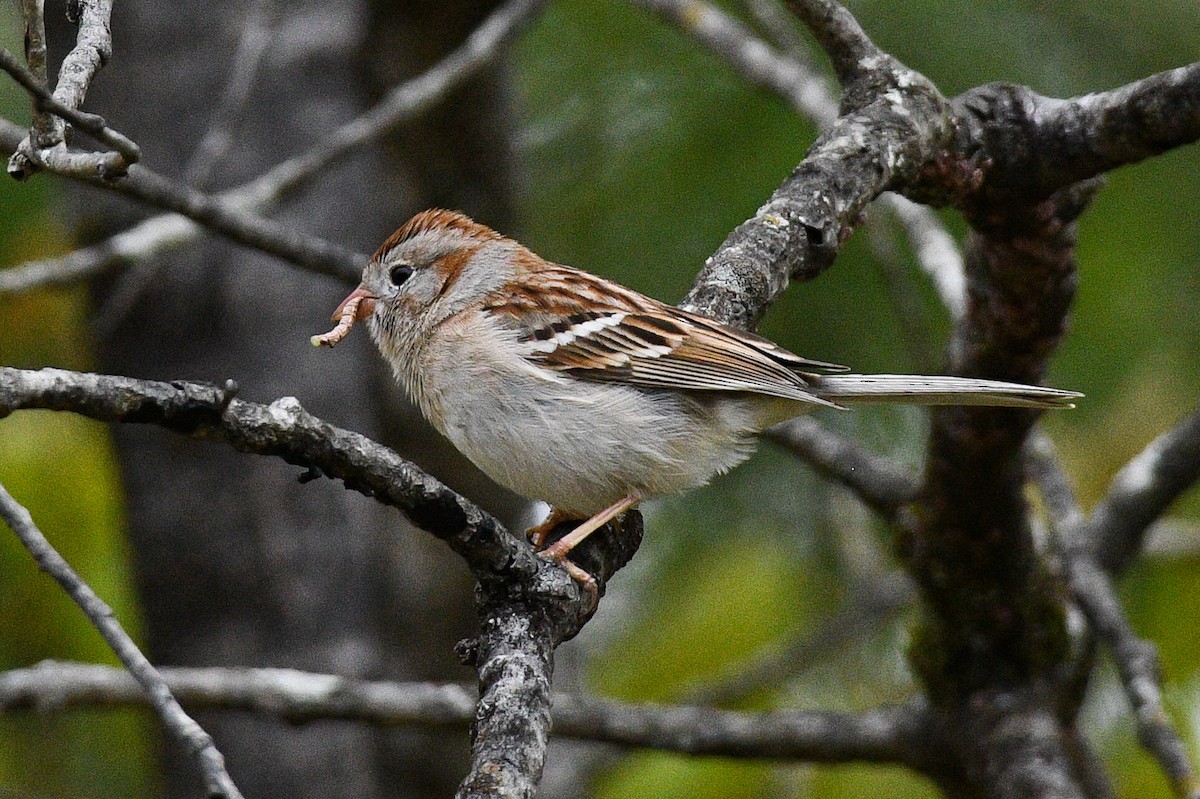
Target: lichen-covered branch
x,y
996,616
995,625
93,48
1043,144
520,626
1009,745
886,735
282,429
895,121
809,93
511,728
1060,142
1096,133
46,145
527,607
127,152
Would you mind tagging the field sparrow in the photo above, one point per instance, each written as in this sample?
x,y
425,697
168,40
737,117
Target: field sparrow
x,y
572,389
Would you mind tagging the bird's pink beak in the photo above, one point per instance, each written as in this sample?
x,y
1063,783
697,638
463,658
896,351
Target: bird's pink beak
x,y
366,305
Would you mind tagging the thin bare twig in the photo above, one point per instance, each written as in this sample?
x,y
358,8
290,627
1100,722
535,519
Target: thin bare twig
x,y
224,216
1173,538
1140,493
903,296
1137,663
252,46
780,26
180,724
885,735
401,104
799,84
875,480
1092,586
134,245
936,251
46,148
850,50
44,126
1045,468
255,37
147,239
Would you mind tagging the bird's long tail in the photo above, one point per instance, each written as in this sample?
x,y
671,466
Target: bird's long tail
x,y
937,390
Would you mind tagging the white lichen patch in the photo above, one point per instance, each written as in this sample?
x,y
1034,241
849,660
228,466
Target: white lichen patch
x,y
896,100
872,63
301,686
45,379
286,410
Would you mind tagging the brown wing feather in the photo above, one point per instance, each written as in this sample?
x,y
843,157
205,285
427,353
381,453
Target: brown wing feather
x,y
600,331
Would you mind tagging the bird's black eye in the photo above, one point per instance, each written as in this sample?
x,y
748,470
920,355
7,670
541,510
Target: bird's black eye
x,y
400,273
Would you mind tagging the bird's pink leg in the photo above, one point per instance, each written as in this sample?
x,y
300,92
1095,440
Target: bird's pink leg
x,y
559,549
557,552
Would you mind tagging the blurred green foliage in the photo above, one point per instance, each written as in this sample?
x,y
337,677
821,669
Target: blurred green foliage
x,y
62,468
641,151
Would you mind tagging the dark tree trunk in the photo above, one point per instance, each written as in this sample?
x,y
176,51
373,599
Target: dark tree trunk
x,y
237,562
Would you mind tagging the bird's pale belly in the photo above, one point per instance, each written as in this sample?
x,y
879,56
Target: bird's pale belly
x,y
630,442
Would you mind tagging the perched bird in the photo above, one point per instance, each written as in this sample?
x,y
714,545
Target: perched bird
x,y
573,389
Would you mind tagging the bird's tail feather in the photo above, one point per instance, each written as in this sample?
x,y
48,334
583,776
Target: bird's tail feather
x,y
937,390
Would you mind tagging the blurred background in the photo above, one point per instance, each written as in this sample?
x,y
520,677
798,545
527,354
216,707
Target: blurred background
x,y
625,149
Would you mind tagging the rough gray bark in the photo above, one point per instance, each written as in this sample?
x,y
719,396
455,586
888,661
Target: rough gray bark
x,y
526,607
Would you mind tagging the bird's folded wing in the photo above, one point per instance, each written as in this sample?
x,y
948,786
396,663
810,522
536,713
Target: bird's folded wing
x,y
671,349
